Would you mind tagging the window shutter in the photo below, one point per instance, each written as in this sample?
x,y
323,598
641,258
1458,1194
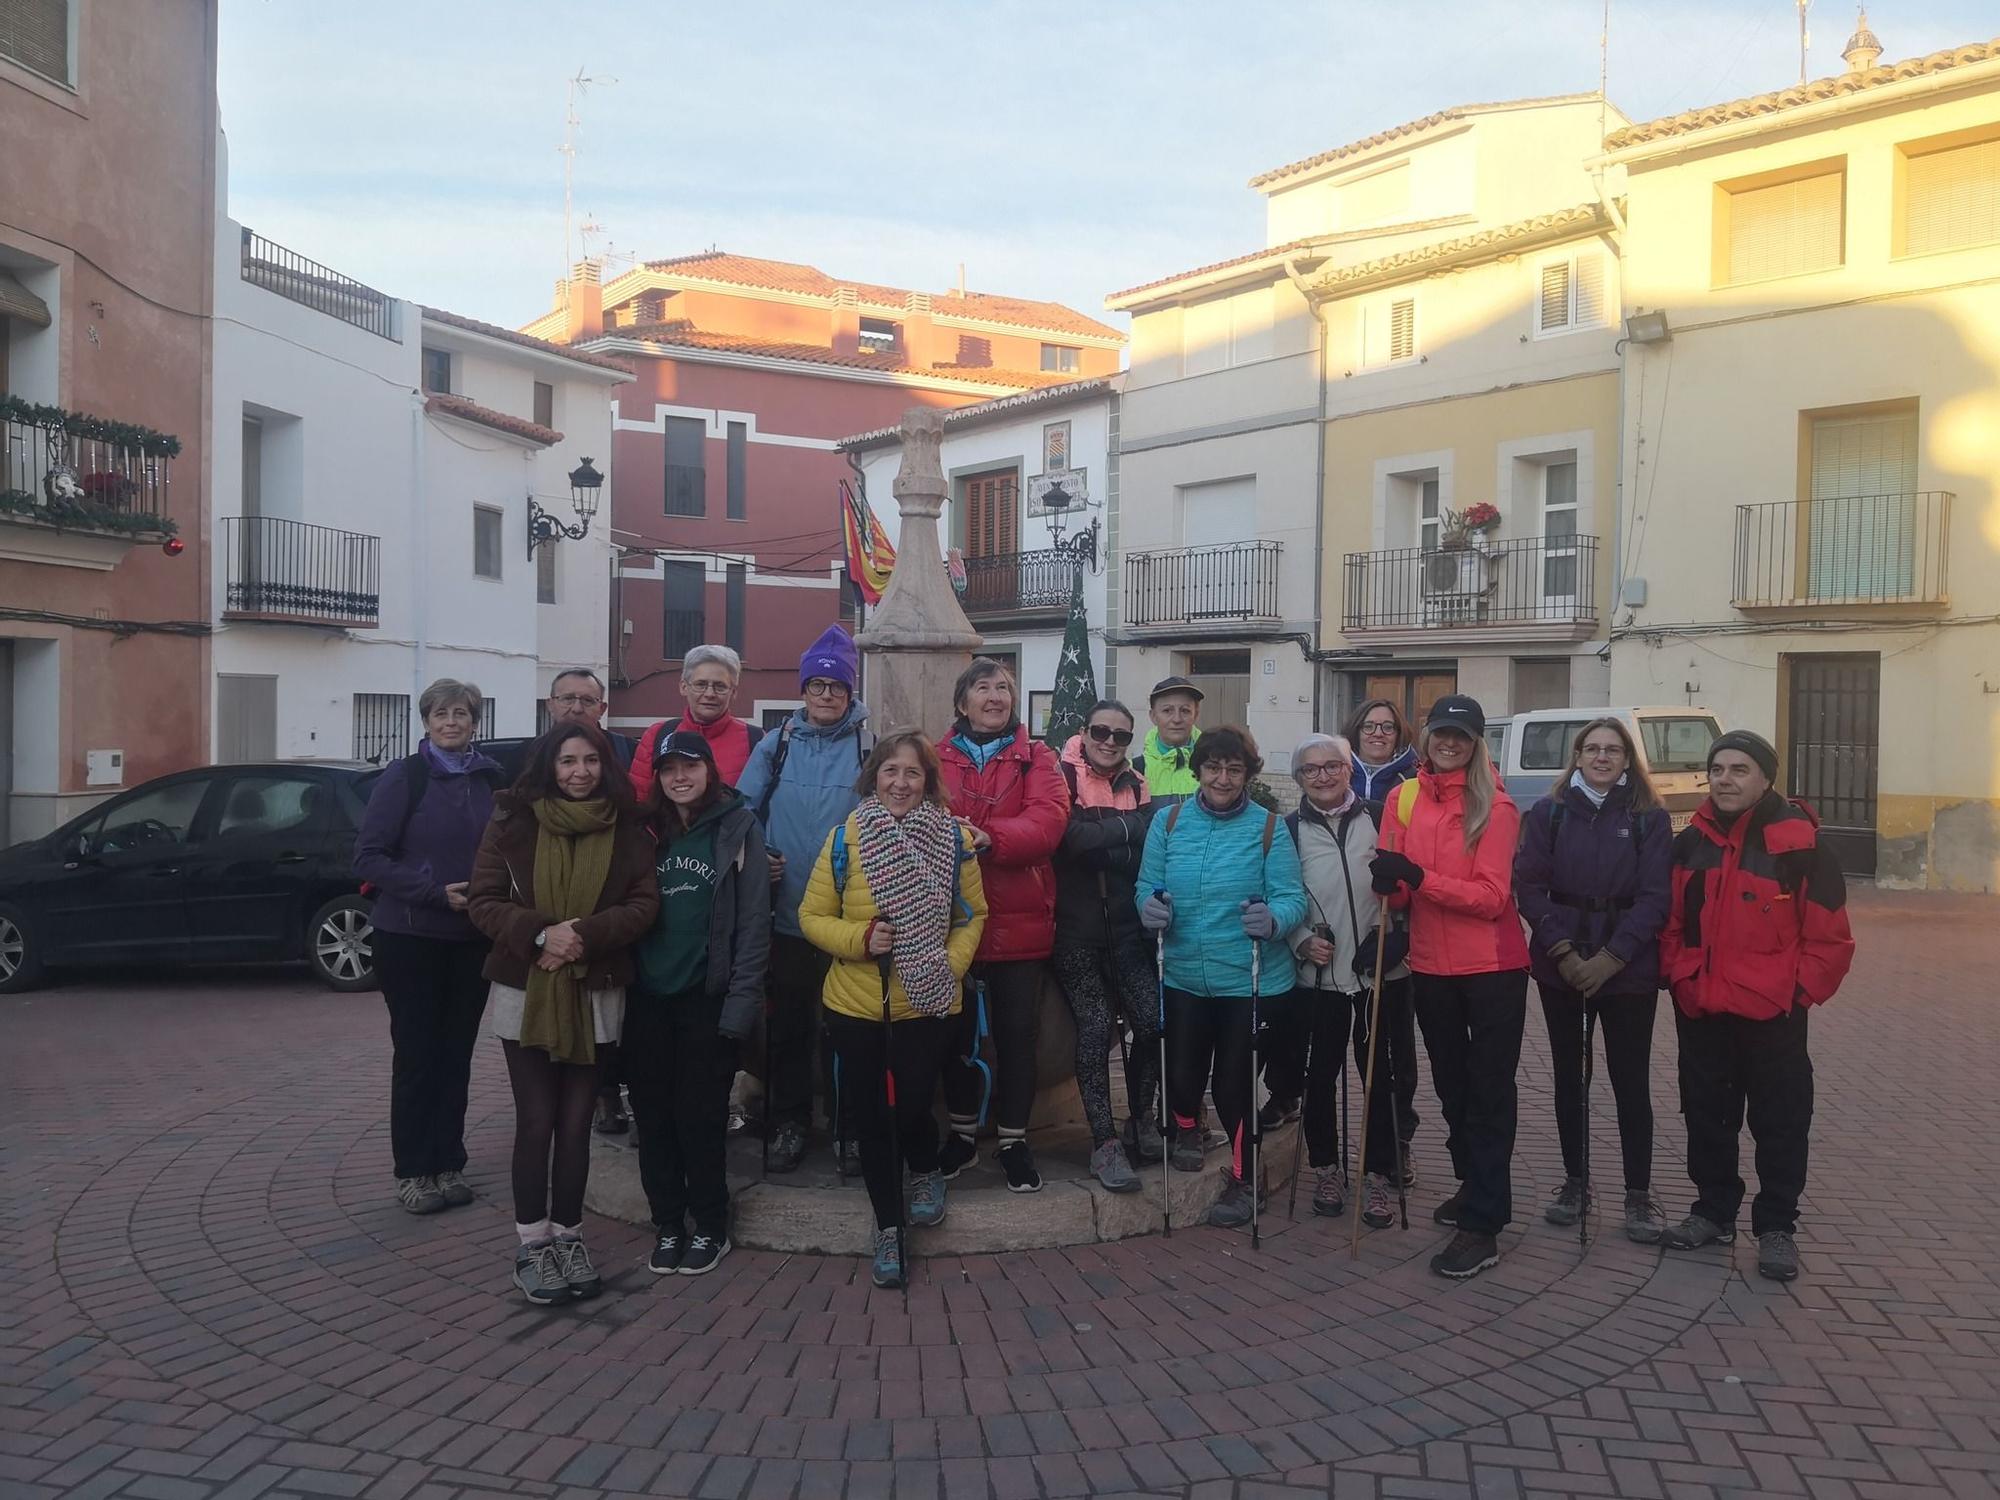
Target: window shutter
x,y
1785,229
35,33
1403,328
1589,280
1555,297
1862,526
1953,198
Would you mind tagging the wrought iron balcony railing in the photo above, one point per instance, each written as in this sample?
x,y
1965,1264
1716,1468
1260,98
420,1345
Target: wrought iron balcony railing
x,y
290,572
1019,582
1233,582
310,284
1525,581
1859,549
83,473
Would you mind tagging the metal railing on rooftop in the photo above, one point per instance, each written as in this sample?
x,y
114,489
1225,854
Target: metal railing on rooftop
x,y
310,284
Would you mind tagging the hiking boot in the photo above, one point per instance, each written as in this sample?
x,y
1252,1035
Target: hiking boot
x,y
1112,1170
1446,1213
1568,1204
574,1263
1377,1210
788,1147
926,1199
1777,1256
1694,1231
1232,1209
888,1272
1019,1163
1277,1112
957,1154
1643,1219
419,1195
1468,1254
1409,1167
1330,1192
703,1251
847,1157
1187,1154
668,1251
457,1191
1142,1139
1214,1138
538,1273
611,1118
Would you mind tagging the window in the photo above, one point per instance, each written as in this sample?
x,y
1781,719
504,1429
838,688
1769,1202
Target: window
x,y
774,718
268,804
1785,228
1226,331
1951,198
687,483
545,403
739,452
993,514
685,615
489,719
155,819
1060,358
35,34
1559,556
1388,332
1430,515
437,371
1539,682
1545,742
1678,744
545,573
542,719
1863,530
1380,198
879,335
486,529
381,726
1572,295
735,598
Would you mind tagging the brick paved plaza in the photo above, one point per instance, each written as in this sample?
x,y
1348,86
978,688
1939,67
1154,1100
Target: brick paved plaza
x,y
211,1292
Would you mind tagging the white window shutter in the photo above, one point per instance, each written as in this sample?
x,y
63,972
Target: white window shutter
x,y
1589,282
1786,229
1554,309
1403,328
1953,198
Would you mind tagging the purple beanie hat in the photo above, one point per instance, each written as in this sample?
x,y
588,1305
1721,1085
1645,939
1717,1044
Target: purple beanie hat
x,y
832,655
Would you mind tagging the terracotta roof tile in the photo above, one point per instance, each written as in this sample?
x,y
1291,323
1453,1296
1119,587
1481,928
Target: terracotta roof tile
x,y
526,341
792,276
471,411
677,335
1280,252
1274,251
1569,221
1819,89
999,406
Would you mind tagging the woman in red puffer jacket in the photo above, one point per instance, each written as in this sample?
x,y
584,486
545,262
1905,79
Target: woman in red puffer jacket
x,y
1008,791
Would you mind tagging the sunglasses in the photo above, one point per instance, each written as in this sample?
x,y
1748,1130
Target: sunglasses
x,y
1104,734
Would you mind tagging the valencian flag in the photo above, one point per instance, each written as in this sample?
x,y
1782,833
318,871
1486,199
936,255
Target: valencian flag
x,y
1076,679
870,554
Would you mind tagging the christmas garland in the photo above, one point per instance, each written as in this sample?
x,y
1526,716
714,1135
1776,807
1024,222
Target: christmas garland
x,y
68,515
122,434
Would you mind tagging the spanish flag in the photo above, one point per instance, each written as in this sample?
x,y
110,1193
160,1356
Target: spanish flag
x,y
870,555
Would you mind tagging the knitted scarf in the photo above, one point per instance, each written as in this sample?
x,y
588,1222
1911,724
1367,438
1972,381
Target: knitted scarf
x,y
573,842
911,864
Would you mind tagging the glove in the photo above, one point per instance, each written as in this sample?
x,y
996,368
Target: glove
x,y
1395,949
1596,971
1568,963
1258,922
1156,912
1388,869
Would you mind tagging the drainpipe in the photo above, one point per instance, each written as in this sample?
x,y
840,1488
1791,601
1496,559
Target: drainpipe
x,y
419,554
1317,308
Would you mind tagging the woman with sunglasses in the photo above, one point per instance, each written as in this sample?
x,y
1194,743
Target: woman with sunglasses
x,y
1101,959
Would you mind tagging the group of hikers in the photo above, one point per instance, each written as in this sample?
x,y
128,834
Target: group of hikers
x,y
887,906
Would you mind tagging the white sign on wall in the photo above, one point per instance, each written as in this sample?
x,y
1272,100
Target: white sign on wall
x,y
1072,482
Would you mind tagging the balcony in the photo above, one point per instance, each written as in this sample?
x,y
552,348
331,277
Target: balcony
x,y
1881,552
290,573
78,490
1525,589
310,284
1020,588
1235,583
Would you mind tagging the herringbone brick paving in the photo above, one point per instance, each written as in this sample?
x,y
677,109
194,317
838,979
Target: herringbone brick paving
x,y
210,1293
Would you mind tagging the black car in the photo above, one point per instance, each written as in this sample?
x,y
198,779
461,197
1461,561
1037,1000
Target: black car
x,y
226,864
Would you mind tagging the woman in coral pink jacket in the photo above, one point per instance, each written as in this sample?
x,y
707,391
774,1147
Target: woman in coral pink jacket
x,y
1447,853
1008,792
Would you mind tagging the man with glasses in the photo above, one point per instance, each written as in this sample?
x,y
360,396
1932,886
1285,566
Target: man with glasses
x,y
709,675
577,697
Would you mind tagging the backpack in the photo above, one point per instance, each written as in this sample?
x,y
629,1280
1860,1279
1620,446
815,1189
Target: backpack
x,y
864,742
1270,824
416,782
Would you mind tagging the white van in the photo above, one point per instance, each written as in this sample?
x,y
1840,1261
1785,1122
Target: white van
x,y
1531,749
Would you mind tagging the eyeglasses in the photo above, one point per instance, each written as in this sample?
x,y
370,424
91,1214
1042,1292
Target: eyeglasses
x,y
708,689
823,687
1104,734
1378,726
576,700
1323,771
1230,768
1603,752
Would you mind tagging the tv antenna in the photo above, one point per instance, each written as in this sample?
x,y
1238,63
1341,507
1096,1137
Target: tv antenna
x,y
578,85
1803,39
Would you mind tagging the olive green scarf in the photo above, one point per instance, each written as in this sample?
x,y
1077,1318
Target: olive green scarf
x,y
572,860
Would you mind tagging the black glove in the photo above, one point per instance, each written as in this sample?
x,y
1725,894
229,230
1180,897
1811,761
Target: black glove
x,y
1395,949
1388,869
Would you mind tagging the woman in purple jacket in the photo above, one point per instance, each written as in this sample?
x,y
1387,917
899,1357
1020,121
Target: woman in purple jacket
x,y
425,818
1593,880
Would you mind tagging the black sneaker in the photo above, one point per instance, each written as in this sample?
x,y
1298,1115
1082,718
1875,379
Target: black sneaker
x,y
1019,1163
703,1251
788,1147
1568,1204
957,1154
668,1251
1409,1167
1468,1254
1277,1112
610,1118
574,1262
1694,1231
1777,1256
847,1157
1186,1154
1446,1213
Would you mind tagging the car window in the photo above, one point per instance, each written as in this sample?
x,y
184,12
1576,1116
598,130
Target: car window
x,y
155,819
1496,743
269,804
1679,743
1545,743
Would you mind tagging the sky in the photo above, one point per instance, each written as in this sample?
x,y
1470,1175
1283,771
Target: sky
x,y
1057,150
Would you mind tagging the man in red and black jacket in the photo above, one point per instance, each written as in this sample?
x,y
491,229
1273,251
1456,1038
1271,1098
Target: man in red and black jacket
x,y
1757,936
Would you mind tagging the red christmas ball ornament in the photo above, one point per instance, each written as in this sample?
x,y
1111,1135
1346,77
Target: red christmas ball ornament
x,y
173,546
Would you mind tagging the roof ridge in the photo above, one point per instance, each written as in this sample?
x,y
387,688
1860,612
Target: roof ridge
x,y
1412,127
1578,214
525,340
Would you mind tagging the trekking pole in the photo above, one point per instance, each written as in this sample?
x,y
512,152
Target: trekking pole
x,y
885,964
1250,1124
839,1127
770,1013
1584,1208
1325,934
1160,969
1396,1125
1368,1078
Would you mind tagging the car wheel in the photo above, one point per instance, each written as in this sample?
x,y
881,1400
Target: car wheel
x,y
340,944
20,961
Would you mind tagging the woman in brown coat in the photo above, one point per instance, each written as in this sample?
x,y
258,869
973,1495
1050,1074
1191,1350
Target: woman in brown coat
x,y
563,885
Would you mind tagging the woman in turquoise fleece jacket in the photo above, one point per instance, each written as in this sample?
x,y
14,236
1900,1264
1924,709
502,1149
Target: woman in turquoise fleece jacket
x,y
1219,874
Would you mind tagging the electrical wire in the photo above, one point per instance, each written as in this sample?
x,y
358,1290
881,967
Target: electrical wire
x,y
116,627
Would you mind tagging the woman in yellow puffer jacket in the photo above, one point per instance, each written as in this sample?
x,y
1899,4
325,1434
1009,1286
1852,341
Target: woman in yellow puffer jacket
x,y
895,898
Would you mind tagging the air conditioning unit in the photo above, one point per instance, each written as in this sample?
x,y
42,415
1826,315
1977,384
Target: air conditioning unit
x,y
1455,585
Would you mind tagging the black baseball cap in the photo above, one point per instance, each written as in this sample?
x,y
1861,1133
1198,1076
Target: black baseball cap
x,y
1175,685
1457,711
685,744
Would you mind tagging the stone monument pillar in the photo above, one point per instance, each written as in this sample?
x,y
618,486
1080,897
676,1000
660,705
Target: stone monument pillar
x,y
918,639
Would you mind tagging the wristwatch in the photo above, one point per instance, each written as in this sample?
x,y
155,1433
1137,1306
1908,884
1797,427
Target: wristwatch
x,y
542,938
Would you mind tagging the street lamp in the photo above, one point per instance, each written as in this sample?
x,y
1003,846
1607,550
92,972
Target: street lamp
x,y
584,483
